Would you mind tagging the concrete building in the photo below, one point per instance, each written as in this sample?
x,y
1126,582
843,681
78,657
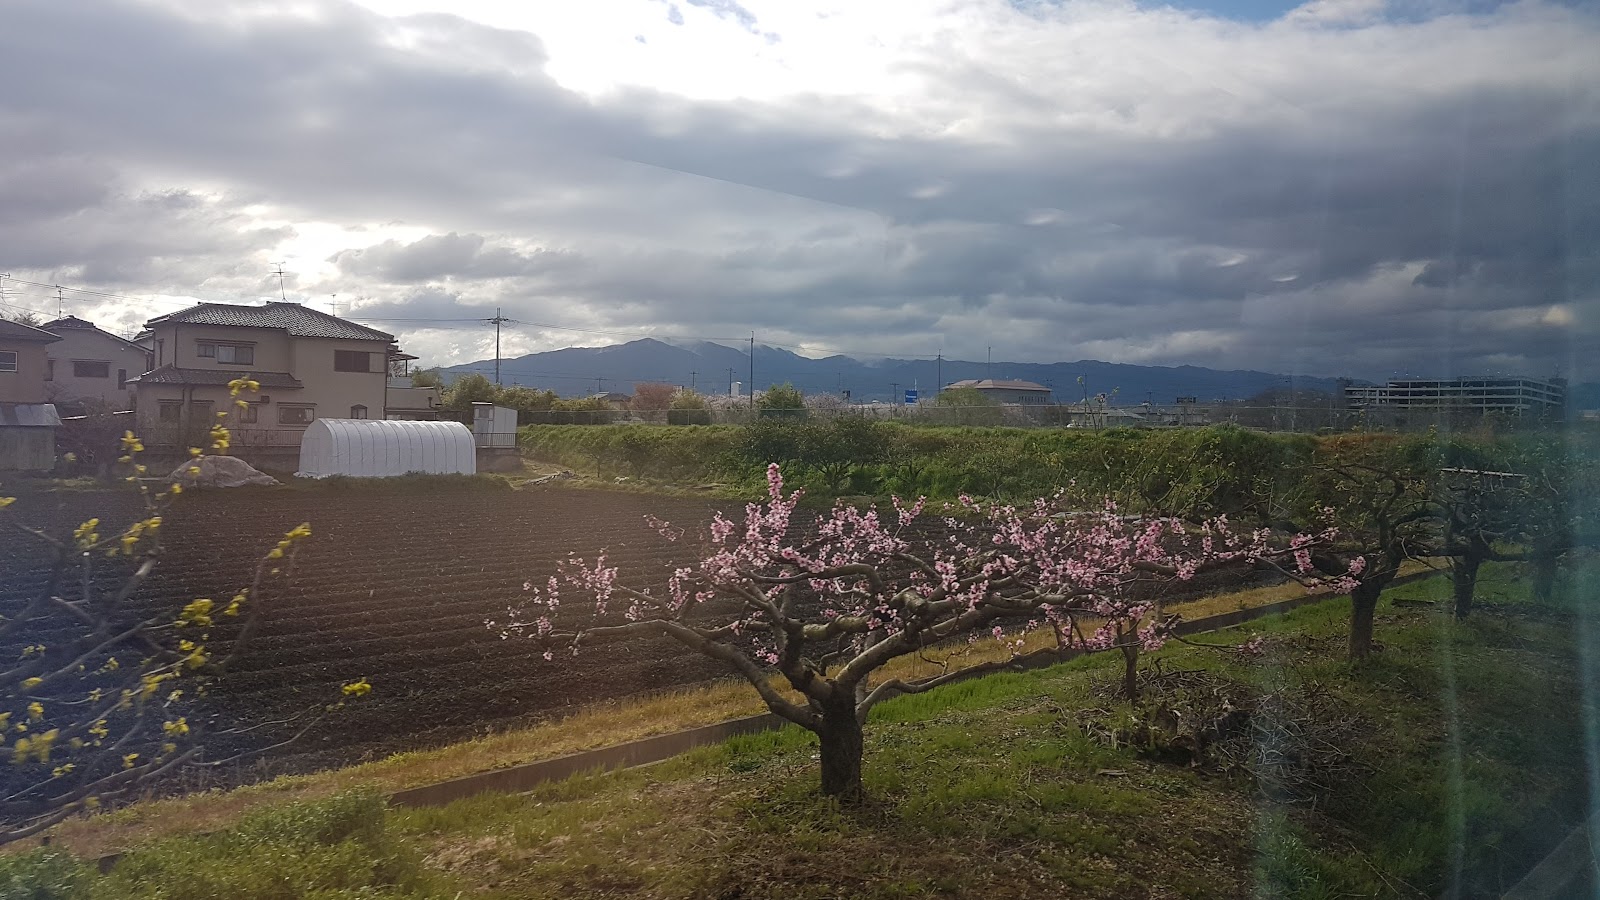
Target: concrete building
x,y
1508,395
89,365
1003,390
27,420
406,399
310,365
24,363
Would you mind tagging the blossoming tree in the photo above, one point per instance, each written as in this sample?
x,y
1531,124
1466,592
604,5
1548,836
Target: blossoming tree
x,y
823,608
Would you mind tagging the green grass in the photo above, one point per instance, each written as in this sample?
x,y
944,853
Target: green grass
x,y
1464,753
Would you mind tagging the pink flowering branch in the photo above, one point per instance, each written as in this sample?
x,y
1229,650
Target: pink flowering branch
x,y
828,611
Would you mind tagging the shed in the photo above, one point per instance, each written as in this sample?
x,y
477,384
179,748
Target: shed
x,y
28,437
379,448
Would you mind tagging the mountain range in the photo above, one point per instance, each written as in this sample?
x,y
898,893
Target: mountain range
x,y
711,368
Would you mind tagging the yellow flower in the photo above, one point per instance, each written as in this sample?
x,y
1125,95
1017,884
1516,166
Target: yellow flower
x,y
7,501
196,613
357,688
176,489
130,443
32,683
35,711
195,451
176,729
70,457
129,760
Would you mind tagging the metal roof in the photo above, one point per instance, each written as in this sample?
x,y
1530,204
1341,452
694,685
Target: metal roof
x,y
999,384
297,320
73,323
16,331
29,415
170,374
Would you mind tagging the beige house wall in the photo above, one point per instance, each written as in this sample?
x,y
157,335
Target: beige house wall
x,y
26,384
82,344
333,392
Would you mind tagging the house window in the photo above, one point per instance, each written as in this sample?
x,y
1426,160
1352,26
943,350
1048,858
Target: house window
x,y
169,411
227,354
200,412
352,361
250,414
358,412
89,368
296,415
8,360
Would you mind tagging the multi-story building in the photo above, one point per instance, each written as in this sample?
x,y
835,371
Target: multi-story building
x,y
1508,395
1003,390
89,366
309,364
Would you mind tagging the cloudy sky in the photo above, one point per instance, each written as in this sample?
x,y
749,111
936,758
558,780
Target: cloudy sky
x,y
1346,187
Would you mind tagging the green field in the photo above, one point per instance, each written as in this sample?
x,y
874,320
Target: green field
x,y
1447,762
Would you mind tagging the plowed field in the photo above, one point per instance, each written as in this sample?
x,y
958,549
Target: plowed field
x,y
393,587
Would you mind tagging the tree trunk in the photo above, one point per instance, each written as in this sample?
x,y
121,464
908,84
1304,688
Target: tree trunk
x,y
1363,602
1464,578
1130,670
1544,577
842,750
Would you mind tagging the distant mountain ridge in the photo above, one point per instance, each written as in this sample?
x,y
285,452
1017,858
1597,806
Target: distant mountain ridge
x,y
709,367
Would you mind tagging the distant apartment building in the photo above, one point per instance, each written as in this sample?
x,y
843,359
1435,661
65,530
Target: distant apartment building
x,y
1508,395
309,364
89,366
1002,390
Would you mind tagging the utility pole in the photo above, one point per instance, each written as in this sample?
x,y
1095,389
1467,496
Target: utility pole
x,y
938,376
497,321
59,301
988,370
894,393
692,374
752,370
277,270
730,381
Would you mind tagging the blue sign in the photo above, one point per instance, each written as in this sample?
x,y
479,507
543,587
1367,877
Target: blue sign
x,y
911,396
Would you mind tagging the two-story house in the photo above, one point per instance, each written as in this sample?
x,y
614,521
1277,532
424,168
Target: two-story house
x,y
309,364
27,420
90,367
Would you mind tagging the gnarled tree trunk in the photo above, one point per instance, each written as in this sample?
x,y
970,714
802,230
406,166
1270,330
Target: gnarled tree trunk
x,y
1464,581
843,747
1130,668
1364,602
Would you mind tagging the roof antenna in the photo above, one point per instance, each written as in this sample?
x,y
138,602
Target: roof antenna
x,y
59,301
278,271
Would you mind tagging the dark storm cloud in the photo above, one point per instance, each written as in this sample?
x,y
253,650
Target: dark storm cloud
x,y
1340,230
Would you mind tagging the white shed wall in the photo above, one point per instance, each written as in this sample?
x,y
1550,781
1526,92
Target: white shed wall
x,y
380,448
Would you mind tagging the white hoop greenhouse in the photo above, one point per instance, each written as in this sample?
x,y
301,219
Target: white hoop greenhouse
x,y
380,448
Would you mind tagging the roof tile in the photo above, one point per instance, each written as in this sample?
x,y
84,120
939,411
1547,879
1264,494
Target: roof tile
x,y
173,375
297,320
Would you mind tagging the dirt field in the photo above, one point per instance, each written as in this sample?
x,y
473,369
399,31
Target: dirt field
x,y
394,586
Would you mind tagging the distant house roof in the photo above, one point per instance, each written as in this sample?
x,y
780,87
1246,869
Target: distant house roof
x,y
16,331
170,374
73,323
999,384
611,397
297,320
